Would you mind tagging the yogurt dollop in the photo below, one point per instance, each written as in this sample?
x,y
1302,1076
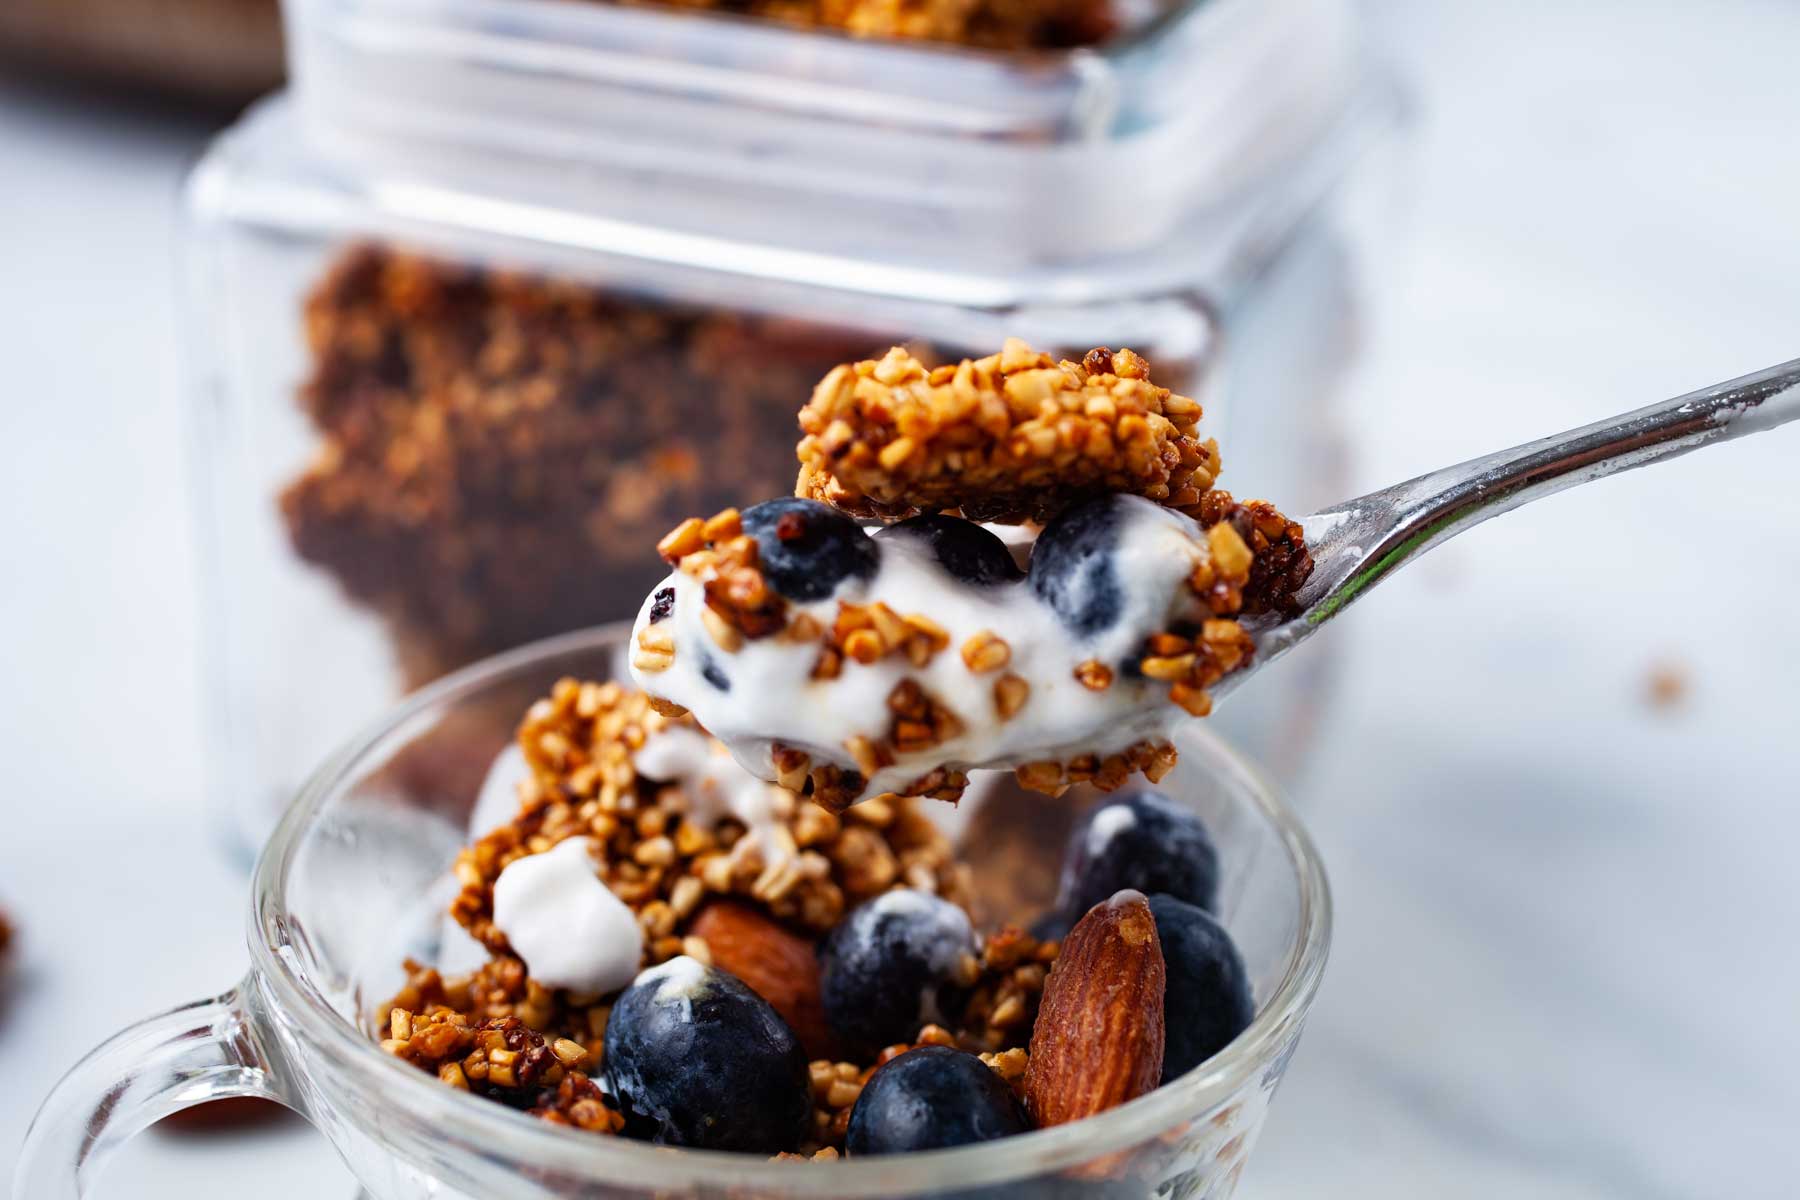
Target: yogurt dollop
x,y
716,787
565,922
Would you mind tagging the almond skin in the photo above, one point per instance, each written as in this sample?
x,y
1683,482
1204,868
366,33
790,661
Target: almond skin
x,y
1098,1041
777,964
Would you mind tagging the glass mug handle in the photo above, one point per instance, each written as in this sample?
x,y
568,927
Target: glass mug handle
x,y
187,1056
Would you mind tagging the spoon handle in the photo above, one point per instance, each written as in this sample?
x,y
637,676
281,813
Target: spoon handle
x,y
1359,542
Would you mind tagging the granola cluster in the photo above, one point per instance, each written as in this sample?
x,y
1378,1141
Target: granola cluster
x,y
1016,436
579,743
499,1033
987,24
504,1059
496,449
1279,563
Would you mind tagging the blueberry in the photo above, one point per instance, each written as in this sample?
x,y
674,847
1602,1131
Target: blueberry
x,y
662,604
1144,841
964,549
695,1058
1207,999
806,548
711,672
932,1098
894,965
1052,926
1074,569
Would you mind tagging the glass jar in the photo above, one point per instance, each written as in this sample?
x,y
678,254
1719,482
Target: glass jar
x,y
501,290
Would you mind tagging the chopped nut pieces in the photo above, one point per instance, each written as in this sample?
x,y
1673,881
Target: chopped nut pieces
x,y
498,1033
579,743
986,651
1191,664
869,633
1094,675
1010,694
1003,1005
1152,759
702,892
501,1057
1279,563
1016,436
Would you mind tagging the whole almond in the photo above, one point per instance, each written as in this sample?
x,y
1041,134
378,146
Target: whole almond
x,y
1098,1041
776,963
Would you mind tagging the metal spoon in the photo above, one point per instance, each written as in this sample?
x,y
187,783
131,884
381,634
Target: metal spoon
x,y
1357,544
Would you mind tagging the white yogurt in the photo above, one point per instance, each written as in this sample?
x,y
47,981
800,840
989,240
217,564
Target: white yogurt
x,y
716,787
681,980
774,699
1108,822
565,923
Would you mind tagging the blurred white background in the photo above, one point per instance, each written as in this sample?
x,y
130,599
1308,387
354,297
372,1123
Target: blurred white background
x,y
1565,963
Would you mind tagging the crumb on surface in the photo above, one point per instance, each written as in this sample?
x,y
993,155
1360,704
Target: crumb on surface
x,y
1668,686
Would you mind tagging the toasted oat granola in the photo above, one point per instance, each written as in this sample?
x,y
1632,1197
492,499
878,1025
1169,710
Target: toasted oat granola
x,y
1016,436
579,743
499,1033
1280,563
502,1058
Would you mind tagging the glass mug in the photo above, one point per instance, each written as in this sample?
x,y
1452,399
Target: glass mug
x,y
356,877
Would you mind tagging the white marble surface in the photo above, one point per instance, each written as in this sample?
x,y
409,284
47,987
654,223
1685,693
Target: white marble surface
x,y
1565,959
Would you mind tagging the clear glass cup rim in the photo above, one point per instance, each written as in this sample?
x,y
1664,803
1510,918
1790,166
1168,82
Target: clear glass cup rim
x,y
359,1063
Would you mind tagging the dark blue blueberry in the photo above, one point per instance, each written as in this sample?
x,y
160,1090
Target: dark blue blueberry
x,y
1052,926
892,966
710,671
932,1098
662,604
1145,841
694,1058
1074,565
1207,999
964,549
806,548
